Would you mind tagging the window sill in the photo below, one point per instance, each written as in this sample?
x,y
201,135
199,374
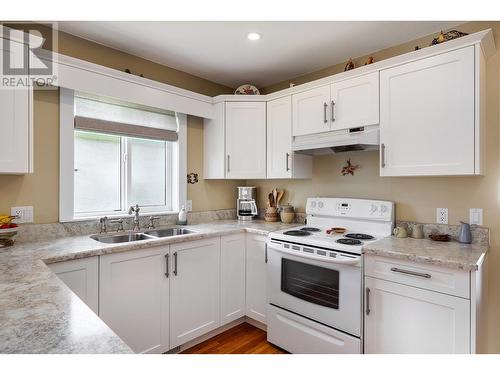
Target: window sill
x,y
120,215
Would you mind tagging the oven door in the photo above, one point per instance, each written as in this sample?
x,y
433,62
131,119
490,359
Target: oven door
x,y
325,290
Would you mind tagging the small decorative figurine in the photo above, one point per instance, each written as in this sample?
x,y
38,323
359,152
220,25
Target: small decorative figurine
x,y
349,168
130,72
369,61
444,37
349,65
192,178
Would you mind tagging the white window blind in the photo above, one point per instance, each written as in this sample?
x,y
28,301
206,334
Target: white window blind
x,y
114,117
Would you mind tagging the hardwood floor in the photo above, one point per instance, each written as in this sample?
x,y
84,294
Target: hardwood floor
x,y
242,339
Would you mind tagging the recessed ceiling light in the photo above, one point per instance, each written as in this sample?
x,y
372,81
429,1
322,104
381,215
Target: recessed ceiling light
x,y
253,36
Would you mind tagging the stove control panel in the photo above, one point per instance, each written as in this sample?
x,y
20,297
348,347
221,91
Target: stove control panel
x,y
352,208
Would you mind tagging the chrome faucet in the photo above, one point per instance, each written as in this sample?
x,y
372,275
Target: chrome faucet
x,y
104,227
135,210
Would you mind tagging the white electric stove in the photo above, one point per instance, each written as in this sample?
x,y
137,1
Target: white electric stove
x,y
315,275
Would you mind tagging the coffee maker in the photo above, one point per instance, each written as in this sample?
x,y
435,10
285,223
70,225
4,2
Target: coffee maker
x,y
245,204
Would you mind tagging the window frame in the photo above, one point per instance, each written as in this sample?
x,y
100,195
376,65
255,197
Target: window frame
x,y
176,169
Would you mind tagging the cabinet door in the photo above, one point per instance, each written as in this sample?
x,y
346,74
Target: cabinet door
x,y
194,289
256,296
214,148
355,102
281,161
232,287
134,298
15,124
81,276
311,111
246,139
427,116
409,320
279,138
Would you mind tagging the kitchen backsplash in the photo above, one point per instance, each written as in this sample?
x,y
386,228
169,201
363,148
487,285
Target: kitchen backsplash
x,y
47,232
480,235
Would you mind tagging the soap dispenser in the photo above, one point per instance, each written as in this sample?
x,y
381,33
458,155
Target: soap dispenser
x,y
182,219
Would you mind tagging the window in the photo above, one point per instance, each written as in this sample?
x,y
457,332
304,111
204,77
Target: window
x,y
122,154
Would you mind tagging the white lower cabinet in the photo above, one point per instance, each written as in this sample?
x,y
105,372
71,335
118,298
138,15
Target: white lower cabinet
x,y
403,319
194,289
134,298
232,276
81,276
256,277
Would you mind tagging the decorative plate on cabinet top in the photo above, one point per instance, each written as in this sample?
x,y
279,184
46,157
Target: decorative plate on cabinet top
x,y
247,89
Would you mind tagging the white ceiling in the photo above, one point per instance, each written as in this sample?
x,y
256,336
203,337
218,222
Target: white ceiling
x,y
221,52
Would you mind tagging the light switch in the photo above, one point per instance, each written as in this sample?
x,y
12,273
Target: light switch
x,y
189,205
476,216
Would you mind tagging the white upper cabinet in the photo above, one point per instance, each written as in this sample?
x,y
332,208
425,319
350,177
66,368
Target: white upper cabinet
x,y
214,144
310,111
246,140
15,124
281,161
234,141
345,104
194,289
134,298
355,102
427,120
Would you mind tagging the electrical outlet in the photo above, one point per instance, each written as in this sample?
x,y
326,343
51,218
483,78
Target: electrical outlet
x,y
476,216
442,215
189,205
24,214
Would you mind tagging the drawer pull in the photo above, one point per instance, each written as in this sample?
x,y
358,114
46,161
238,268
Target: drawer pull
x,y
413,273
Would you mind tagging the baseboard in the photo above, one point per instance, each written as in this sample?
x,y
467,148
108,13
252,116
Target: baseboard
x,y
209,335
256,323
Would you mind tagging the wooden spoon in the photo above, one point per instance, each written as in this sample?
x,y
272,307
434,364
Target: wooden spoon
x,y
271,200
275,196
280,195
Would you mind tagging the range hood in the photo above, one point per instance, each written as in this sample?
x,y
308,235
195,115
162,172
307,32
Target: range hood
x,y
355,139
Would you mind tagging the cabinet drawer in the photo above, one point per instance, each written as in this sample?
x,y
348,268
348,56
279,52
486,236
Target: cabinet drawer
x,y
425,276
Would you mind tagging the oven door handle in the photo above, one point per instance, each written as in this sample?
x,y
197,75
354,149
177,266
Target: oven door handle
x,y
315,257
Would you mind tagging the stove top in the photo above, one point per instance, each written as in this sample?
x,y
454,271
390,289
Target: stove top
x,y
364,221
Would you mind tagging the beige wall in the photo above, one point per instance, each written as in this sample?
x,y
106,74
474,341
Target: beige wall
x,y
417,198
41,189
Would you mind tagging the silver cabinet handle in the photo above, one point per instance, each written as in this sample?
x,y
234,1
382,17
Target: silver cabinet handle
x,y
382,155
228,163
325,106
412,273
367,301
167,274
265,254
287,157
333,110
175,263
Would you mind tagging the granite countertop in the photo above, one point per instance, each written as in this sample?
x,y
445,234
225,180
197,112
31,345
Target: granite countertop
x,y
40,314
451,254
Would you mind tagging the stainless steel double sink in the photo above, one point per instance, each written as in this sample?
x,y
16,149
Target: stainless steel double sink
x,y
146,235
